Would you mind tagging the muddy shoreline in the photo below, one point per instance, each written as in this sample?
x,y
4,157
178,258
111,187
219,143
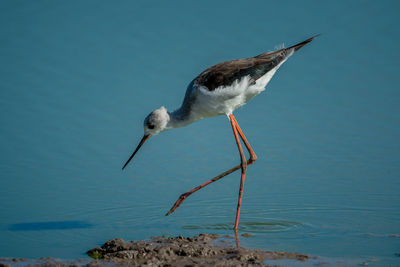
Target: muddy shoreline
x,y
201,250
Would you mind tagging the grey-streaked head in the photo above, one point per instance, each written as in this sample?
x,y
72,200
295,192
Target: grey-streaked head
x,y
154,123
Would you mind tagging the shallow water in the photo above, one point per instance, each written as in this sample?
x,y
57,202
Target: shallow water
x,y
77,79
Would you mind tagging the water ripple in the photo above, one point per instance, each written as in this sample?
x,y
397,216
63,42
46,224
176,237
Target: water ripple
x,y
271,226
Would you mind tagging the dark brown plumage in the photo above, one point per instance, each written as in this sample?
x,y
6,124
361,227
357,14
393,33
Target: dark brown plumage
x,y
225,73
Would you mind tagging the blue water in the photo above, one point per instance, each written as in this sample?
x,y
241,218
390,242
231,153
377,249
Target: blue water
x,y
77,79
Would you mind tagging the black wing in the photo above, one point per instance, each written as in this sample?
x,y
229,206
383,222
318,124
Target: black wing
x,y
225,73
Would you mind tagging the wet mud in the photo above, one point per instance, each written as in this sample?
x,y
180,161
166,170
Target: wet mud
x,y
202,250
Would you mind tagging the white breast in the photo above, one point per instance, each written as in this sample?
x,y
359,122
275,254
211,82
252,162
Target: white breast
x,y
225,99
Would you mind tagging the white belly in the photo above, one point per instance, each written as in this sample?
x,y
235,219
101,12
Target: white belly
x,y
225,99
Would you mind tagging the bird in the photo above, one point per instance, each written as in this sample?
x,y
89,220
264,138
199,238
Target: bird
x,y
220,90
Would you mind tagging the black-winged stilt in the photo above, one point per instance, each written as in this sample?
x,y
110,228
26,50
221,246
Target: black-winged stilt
x,y
219,90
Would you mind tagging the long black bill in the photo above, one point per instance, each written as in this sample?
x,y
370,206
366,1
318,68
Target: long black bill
x,y
144,139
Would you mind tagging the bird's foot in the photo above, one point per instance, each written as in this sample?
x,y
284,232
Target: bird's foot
x,y
178,203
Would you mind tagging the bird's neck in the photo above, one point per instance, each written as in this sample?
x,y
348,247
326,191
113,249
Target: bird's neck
x,y
179,118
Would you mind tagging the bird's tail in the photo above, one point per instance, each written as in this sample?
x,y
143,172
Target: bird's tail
x,y
300,45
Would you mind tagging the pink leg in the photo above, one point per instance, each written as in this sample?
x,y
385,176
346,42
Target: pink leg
x,y
237,238
251,160
243,167
253,156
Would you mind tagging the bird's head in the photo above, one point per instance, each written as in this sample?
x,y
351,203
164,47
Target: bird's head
x,y
155,123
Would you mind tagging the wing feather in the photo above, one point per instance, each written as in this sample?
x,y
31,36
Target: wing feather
x,y
225,73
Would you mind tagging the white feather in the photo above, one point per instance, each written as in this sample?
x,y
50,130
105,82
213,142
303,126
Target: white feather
x,y
225,99
202,103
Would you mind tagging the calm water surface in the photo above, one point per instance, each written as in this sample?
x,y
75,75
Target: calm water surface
x,y
77,79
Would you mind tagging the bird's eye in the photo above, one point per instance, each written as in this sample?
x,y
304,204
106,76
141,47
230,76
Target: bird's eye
x,y
151,126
